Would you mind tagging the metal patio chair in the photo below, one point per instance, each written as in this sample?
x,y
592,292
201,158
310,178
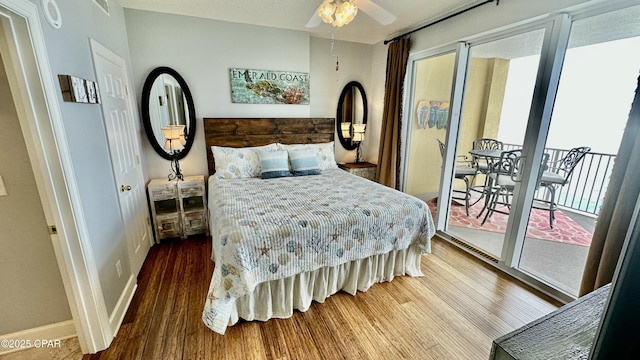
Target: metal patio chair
x,y
559,175
502,180
463,171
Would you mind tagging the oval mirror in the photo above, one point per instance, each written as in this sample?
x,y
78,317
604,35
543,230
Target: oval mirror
x,y
167,104
352,109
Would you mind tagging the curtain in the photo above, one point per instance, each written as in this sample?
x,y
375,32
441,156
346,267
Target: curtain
x,y
617,208
389,150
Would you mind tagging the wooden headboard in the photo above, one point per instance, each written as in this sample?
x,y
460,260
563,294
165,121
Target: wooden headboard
x,y
246,132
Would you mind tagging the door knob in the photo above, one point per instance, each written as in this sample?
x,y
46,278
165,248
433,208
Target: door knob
x,y
124,188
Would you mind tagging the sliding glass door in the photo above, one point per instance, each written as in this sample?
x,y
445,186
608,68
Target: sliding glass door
x,y
592,106
431,98
516,91
494,100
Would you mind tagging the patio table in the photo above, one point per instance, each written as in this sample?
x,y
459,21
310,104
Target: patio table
x,y
491,155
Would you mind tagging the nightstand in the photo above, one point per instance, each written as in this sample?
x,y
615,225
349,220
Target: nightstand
x,y
193,204
362,169
165,209
178,208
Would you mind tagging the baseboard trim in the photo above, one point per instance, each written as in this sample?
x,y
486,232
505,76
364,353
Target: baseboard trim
x,y
115,320
56,331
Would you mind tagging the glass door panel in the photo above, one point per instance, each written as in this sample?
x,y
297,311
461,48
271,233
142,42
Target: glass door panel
x,y
497,99
591,109
433,78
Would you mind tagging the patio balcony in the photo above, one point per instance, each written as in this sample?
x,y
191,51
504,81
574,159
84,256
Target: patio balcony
x,y
556,256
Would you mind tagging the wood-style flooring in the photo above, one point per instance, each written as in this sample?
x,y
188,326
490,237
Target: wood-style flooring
x,y
69,349
453,312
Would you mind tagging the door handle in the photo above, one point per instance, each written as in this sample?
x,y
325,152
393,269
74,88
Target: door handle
x,y
124,188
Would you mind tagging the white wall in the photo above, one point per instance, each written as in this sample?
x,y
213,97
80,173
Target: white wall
x,y
327,84
69,53
203,51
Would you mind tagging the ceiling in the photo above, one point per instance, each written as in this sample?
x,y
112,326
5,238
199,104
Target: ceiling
x,y
294,15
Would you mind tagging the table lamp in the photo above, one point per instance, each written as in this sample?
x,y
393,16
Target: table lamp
x,y
345,128
174,143
358,137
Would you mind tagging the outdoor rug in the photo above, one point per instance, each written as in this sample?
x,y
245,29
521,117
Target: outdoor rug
x,y
565,229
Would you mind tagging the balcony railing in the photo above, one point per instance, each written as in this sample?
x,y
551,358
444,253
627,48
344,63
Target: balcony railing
x,y
587,184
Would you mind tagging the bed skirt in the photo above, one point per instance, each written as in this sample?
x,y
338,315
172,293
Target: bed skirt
x,y
278,298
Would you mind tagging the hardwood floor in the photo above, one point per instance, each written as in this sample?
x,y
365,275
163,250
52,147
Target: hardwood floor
x,y
69,349
453,312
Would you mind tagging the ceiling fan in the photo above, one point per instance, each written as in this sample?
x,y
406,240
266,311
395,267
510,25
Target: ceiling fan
x,y
330,12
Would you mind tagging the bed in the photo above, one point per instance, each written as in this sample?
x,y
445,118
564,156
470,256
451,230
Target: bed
x,y
281,243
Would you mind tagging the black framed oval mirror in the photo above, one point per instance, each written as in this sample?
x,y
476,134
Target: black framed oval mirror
x,y
352,109
166,102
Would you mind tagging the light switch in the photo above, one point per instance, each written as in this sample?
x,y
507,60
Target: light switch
x,y
3,189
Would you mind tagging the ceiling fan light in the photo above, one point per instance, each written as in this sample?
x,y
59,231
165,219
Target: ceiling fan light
x,y
349,17
326,11
337,12
348,9
339,21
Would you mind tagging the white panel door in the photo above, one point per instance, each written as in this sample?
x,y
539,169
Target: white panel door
x,y
124,146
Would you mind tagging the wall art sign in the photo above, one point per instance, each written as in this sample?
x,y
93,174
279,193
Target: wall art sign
x,y
75,89
250,86
432,114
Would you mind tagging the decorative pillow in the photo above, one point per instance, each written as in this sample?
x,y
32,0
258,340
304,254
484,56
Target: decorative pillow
x,y
274,164
324,151
304,162
232,163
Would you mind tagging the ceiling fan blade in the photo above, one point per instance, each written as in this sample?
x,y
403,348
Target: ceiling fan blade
x,y
314,21
375,11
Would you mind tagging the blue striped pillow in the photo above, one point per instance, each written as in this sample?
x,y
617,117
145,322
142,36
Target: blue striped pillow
x,y
304,162
274,164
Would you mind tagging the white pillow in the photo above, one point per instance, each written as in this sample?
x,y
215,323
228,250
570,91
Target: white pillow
x,y
325,152
233,163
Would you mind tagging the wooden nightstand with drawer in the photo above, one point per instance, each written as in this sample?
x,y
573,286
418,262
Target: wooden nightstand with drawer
x,y
363,169
165,209
193,205
178,208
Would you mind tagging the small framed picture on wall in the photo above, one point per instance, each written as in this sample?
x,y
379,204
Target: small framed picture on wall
x,y
92,92
79,91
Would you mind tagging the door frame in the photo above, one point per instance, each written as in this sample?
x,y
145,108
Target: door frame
x,y
40,118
